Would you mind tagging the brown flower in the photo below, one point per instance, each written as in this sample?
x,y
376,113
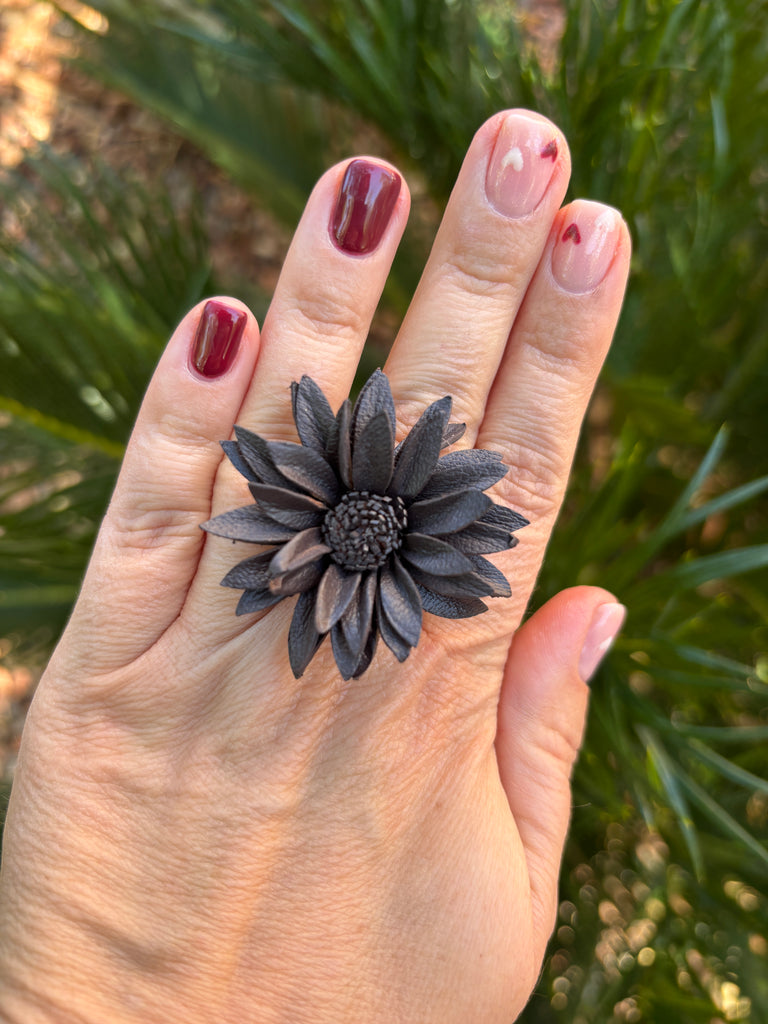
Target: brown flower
x,y
369,535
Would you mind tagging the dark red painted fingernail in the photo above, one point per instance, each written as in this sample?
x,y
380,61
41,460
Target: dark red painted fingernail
x,y
217,339
572,232
549,151
365,203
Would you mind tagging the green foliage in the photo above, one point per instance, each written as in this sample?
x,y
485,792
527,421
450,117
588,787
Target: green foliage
x,y
664,896
651,97
87,298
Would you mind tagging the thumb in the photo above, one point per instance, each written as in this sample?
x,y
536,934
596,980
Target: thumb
x,y
541,723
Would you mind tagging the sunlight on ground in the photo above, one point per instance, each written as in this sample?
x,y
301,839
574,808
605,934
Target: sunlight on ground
x,y
32,49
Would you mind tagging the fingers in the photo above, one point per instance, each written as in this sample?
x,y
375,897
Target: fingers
x,y
150,542
328,290
495,227
540,725
514,317
492,312
556,349
317,323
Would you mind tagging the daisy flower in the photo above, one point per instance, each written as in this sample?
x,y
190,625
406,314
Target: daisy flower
x,y
370,535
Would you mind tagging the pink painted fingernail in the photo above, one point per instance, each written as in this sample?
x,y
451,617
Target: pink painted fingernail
x,y
603,630
585,246
217,339
521,165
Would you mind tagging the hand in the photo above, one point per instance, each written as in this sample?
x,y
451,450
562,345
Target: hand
x,y
195,835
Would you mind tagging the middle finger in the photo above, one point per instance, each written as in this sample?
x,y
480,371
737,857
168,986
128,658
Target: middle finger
x,y
495,227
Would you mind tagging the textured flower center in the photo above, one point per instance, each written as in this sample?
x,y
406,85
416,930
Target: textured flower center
x,y
363,528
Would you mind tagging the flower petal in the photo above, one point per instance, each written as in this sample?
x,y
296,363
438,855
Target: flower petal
x,y
461,470
450,607
375,397
232,451
351,665
303,638
248,524
344,452
346,659
254,450
400,602
311,413
469,584
419,452
251,573
494,577
298,511
306,469
372,455
303,548
334,593
447,513
500,515
297,581
453,433
357,620
331,452
433,555
482,538
399,647
368,652
256,601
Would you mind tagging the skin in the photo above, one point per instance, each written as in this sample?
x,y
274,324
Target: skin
x,y
194,835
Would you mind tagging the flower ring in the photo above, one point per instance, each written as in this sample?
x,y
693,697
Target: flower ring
x,y
369,535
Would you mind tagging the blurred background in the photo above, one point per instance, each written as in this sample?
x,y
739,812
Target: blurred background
x,y
153,152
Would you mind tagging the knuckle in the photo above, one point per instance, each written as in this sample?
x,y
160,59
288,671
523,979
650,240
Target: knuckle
x,y
334,316
535,483
144,528
485,276
181,434
456,364
161,505
560,745
561,353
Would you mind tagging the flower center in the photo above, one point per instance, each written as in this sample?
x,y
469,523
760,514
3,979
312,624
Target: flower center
x,y
363,528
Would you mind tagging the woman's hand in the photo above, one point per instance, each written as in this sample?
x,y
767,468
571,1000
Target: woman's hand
x,y
197,836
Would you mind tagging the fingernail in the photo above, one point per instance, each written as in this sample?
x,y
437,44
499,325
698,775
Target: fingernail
x,y
585,246
521,165
217,339
365,203
603,630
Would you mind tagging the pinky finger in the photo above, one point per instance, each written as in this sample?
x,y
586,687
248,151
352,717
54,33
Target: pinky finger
x,y
150,542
